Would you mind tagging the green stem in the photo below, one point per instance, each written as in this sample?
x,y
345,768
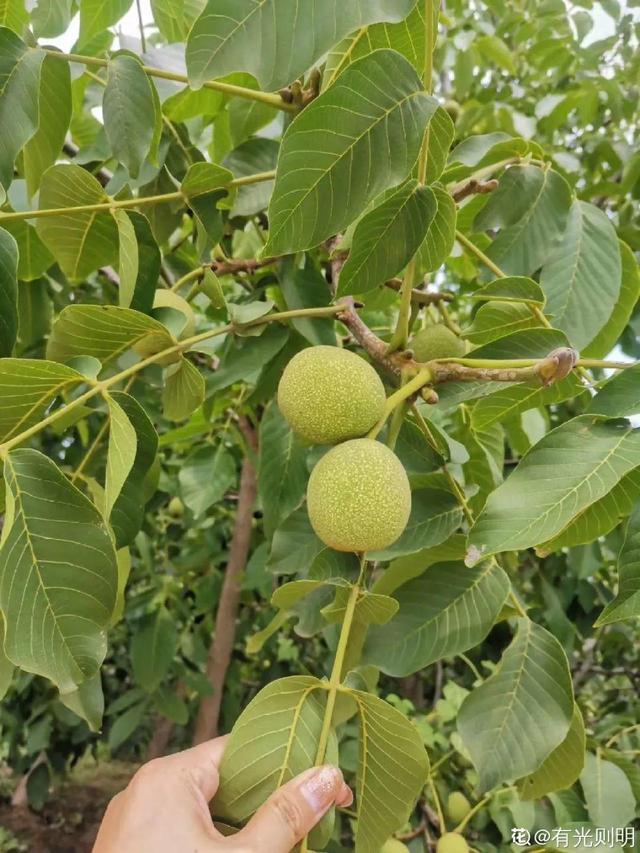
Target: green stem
x,y
114,204
143,40
461,826
270,98
103,385
471,247
336,672
400,335
436,800
190,276
405,391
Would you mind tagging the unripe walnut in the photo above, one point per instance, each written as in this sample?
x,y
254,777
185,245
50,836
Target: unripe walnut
x,y
434,342
452,842
328,394
358,497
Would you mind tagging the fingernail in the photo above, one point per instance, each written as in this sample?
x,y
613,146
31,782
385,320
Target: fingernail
x,y
345,797
320,788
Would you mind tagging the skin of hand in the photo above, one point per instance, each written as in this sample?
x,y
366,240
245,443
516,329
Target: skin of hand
x,y
165,808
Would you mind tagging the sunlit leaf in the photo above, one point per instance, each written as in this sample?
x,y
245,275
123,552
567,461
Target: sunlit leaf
x,y
513,721
367,129
561,768
386,238
19,87
447,610
58,573
271,40
626,604
80,241
572,467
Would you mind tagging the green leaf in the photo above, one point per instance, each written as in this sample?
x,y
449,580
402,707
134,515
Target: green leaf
x,y
270,39
438,243
582,275
353,123
153,648
19,88
7,669
607,337
87,701
392,769
387,237
608,793
620,396
183,390
8,293
251,157
131,113
54,106
447,610
441,133
127,724
513,288
494,50
105,332
599,518
628,766
626,604
307,288
58,573
570,468
434,516
282,473
274,739
513,721
80,242
34,259
530,207
50,18
174,18
405,569
97,15
561,768
171,705
13,15
27,389
206,476
121,454
246,357
405,37
496,319
128,261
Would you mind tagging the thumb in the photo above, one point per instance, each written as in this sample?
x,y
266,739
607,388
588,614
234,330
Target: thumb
x,y
293,810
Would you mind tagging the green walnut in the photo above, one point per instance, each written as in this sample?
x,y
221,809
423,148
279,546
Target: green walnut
x,y
458,806
359,497
452,842
328,395
435,342
392,845
176,508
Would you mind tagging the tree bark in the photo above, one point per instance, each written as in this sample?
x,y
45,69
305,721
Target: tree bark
x,y
162,730
221,648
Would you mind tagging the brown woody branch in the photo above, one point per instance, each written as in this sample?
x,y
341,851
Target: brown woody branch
x,y
223,641
474,187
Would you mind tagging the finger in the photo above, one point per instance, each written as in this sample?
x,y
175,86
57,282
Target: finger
x,y
200,764
293,810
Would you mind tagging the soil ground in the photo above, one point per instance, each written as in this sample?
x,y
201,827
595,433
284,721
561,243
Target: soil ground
x,y
69,822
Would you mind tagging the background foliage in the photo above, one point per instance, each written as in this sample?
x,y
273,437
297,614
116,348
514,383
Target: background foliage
x,y
153,500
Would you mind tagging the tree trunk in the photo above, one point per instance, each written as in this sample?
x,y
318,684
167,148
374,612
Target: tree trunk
x,y
162,730
224,631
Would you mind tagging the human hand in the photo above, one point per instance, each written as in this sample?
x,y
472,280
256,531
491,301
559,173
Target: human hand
x,y
165,808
